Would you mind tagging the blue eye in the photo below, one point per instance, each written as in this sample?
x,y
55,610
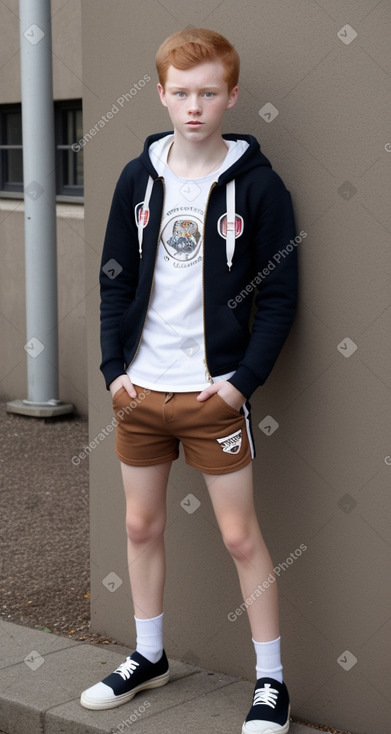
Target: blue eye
x,y
209,94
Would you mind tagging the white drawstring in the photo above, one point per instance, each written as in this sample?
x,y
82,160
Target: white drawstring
x,y
143,208
230,238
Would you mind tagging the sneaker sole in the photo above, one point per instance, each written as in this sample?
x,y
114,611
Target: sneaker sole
x,y
111,703
270,730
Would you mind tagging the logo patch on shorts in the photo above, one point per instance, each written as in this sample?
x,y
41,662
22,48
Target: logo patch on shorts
x,y
231,444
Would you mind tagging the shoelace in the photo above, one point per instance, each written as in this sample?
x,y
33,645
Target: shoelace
x,y
266,696
126,669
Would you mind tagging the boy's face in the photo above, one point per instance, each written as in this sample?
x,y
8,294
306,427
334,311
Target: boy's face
x,y
196,99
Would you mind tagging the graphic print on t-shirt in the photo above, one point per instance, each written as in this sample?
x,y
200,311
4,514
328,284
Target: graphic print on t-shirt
x,y
181,235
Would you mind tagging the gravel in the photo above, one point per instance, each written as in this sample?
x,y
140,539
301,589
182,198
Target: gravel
x,y
44,532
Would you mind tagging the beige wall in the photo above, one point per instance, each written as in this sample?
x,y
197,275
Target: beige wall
x,y
71,304
67,84
66,38
322,478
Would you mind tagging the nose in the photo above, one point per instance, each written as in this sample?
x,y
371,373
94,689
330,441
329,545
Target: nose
x,y
194,105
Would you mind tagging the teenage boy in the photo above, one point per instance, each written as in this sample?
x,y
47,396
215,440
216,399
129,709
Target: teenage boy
x,y
193,229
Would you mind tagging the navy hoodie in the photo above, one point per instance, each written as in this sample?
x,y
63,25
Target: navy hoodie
x,y
263,270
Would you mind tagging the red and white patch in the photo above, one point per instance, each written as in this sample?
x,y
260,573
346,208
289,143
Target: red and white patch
x,y
223,226
141,214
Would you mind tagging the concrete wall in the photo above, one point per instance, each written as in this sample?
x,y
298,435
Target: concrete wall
x,y
67,84
323,477
71,304
66,37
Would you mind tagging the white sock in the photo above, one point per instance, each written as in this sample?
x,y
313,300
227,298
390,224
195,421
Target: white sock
x,y
150,637
269,659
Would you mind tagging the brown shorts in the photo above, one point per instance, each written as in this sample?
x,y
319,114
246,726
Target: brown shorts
x,y
216,438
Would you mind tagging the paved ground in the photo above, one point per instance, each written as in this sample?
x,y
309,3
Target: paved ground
x,y
42,675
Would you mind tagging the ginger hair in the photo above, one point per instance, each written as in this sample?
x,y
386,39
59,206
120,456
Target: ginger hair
x,y
191,46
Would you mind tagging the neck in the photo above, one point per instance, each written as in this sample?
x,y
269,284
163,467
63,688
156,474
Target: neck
x,y
196,159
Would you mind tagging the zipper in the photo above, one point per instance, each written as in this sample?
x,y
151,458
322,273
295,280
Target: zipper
x,y
160,178
208,376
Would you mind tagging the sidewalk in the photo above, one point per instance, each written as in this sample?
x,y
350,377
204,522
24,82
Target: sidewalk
x,y
42,676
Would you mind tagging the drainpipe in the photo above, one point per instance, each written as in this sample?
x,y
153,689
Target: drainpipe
x,y
39,214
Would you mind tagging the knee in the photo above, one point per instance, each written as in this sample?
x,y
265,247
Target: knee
x,y
240,542
142,529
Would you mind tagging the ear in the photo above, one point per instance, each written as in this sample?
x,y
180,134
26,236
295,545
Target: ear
x,y
162,94
233,96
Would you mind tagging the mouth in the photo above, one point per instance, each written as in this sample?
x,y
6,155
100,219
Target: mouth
x,y
194,123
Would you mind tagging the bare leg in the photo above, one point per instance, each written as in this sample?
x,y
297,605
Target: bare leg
x,y
145,494
232,500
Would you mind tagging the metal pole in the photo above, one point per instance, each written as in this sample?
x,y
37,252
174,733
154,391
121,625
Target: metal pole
x,y
40,211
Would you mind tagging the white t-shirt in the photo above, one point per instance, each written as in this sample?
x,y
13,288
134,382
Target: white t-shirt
x,y
171,355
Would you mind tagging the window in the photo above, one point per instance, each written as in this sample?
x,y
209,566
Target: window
x,y
11,168
69,162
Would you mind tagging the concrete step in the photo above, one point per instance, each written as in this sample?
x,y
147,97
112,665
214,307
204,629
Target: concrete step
x,y
42,676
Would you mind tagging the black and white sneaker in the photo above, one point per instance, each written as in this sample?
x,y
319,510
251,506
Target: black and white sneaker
x,y
134,675
270,711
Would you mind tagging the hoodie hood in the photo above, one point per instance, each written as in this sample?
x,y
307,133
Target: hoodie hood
x,y
251,158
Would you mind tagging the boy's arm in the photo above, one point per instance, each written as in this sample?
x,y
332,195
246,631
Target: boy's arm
x,y
118,278
276,279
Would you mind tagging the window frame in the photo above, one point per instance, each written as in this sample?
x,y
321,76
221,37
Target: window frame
x,y
8,189
64,192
